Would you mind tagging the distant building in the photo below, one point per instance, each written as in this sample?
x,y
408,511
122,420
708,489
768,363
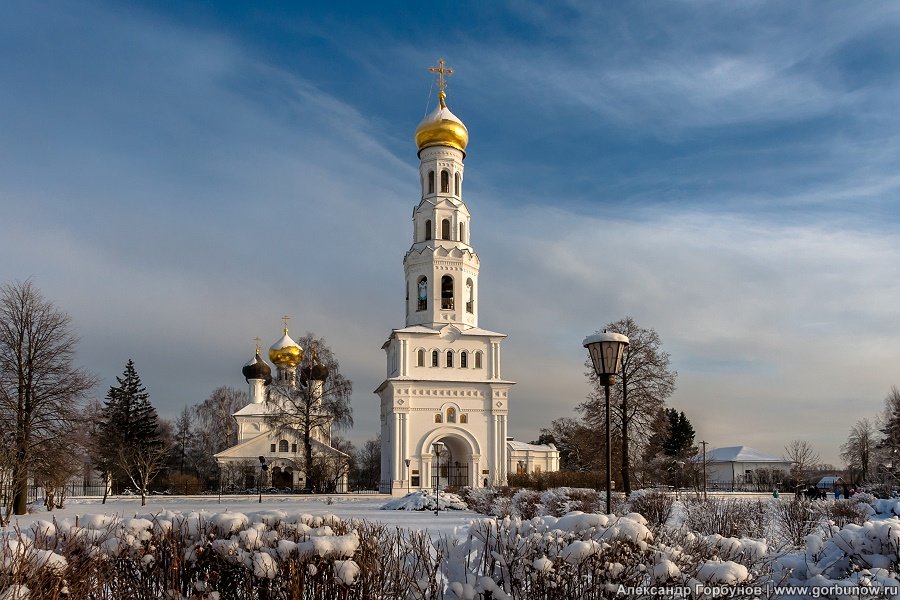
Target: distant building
x,y
531,459
283,451
736,467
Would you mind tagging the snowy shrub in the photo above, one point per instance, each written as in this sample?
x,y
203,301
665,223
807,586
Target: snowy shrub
x,y
479,500
728,517
656,506
842,512
795,520
426,500
562,501
527,503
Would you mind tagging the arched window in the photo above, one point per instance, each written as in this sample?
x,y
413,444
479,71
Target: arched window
x,y
438,418
462,232
470,296
456,181
428,229
283,446
478,360
445,182
463,418
434,358
449,358
420,358
445,229
446,293
422,294
463,360
430,182
451,415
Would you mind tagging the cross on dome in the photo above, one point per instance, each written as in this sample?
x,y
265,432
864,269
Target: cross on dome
x,y
441,71
285,318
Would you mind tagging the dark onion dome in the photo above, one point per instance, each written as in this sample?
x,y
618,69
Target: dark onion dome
x,y
314,372
257,369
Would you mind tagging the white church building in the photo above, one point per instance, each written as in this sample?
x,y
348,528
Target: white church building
x,y
445,403
282,450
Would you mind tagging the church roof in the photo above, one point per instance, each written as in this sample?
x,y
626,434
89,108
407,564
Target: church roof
x,y
744,454
253,409
523,446
239,449
429,330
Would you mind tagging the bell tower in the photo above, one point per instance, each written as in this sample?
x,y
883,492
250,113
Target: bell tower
x,y
441,266
444,403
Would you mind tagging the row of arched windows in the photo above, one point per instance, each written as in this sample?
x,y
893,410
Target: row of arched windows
x,y
451,417
445,231
447,295
449,358
445,182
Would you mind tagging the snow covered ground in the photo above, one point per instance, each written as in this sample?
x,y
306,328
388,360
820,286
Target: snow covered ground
x,y
347,507
174,547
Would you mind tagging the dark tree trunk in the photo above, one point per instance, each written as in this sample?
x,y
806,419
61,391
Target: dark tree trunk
x,y
626,479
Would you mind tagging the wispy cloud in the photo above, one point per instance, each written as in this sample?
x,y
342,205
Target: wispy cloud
x,y
713,171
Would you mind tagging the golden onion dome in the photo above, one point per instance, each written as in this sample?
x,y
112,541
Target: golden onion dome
x,y
286,352
442,128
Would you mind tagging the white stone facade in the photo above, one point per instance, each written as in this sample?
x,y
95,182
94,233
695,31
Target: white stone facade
x,y
443,381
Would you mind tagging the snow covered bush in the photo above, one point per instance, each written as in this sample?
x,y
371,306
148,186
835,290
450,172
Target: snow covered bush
x,y
654,505
426,500
729,517
795,520
842,512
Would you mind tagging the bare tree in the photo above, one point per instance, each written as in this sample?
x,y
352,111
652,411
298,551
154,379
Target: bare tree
x,y
802,457
646,380
368,463
40,388
214,430
578,445
313,406
141,464
859,449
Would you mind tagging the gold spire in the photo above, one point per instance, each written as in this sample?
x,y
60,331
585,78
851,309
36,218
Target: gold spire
x,y
257,340
285,318
441,70
441,127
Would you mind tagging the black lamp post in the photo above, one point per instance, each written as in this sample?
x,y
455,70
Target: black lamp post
x,y
437,477
407,461
263,467
606,350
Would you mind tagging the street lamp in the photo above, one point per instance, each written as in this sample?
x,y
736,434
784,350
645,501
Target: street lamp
x,y
407,461
606,350
263,467
437,477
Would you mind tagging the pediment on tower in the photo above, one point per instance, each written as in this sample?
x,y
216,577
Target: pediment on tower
x,y
450,333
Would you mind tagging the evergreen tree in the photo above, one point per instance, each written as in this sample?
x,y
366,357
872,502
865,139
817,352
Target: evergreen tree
x,y
680,440
129,436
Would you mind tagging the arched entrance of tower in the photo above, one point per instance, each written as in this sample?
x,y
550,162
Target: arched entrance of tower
x,y
455,456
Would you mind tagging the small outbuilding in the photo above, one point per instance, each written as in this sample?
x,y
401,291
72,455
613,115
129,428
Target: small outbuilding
x,y
743,467
830,482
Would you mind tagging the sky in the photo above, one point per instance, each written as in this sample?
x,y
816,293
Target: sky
x,y
178,176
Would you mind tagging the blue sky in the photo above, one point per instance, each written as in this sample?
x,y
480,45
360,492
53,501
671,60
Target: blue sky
x,y
177,176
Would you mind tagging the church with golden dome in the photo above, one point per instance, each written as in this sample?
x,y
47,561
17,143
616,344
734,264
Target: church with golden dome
x,y
283,451
445,404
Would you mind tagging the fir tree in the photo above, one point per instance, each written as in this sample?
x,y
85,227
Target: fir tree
x,y
129,440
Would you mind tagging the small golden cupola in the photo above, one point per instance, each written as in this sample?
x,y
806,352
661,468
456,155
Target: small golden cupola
x,y
441,127
286,352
